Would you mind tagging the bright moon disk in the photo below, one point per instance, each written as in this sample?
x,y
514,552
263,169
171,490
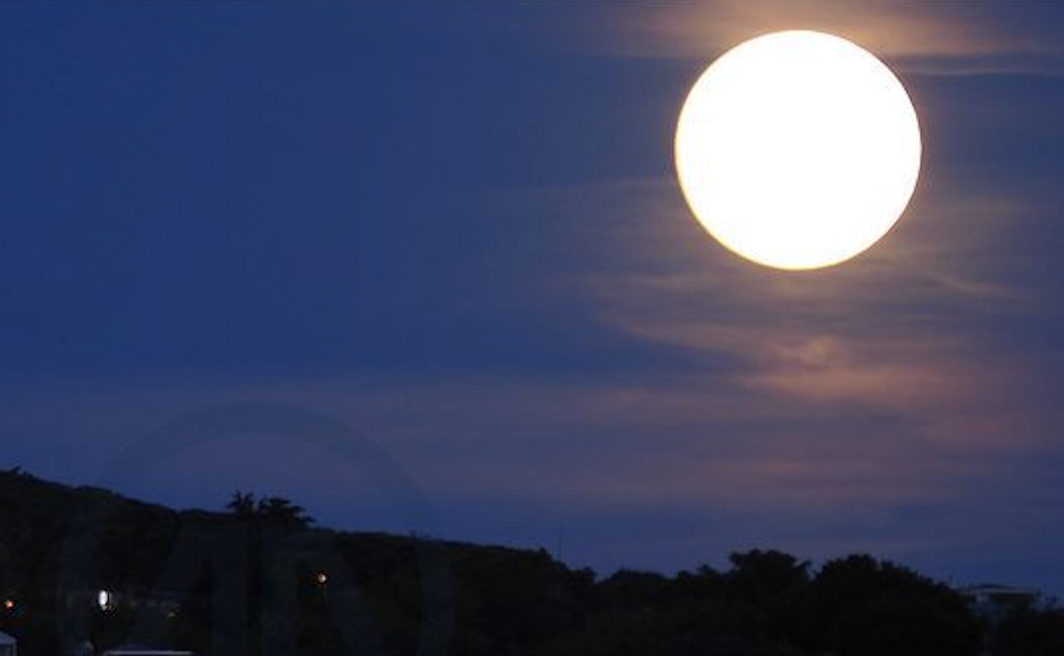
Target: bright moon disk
x,y
798,150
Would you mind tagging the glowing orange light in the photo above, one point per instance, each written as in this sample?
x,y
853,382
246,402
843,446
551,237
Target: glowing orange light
x,y
9,604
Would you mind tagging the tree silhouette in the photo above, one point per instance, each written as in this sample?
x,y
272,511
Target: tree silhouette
x,y
1030,632
267,510
242,504
278,510
873,607
507,602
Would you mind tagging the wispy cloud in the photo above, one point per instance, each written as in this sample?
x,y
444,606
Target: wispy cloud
x,y
929,37
878,383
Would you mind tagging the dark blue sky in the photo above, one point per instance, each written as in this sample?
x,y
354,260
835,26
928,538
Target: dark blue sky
x,y
457,229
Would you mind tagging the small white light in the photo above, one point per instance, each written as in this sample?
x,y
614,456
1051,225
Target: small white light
x,y
105,600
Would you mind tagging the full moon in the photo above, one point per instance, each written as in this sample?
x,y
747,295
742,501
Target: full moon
x,y
798,149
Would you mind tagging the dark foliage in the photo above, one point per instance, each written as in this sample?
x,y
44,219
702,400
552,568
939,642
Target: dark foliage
x,y
260,576
1029,632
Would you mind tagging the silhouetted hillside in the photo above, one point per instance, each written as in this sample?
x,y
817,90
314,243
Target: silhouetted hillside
x,y
260,579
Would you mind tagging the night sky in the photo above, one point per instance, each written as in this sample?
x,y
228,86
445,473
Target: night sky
x,y
457,229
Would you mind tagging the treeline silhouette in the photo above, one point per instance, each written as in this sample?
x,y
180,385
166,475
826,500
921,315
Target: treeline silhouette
x,y
372,593
244,506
